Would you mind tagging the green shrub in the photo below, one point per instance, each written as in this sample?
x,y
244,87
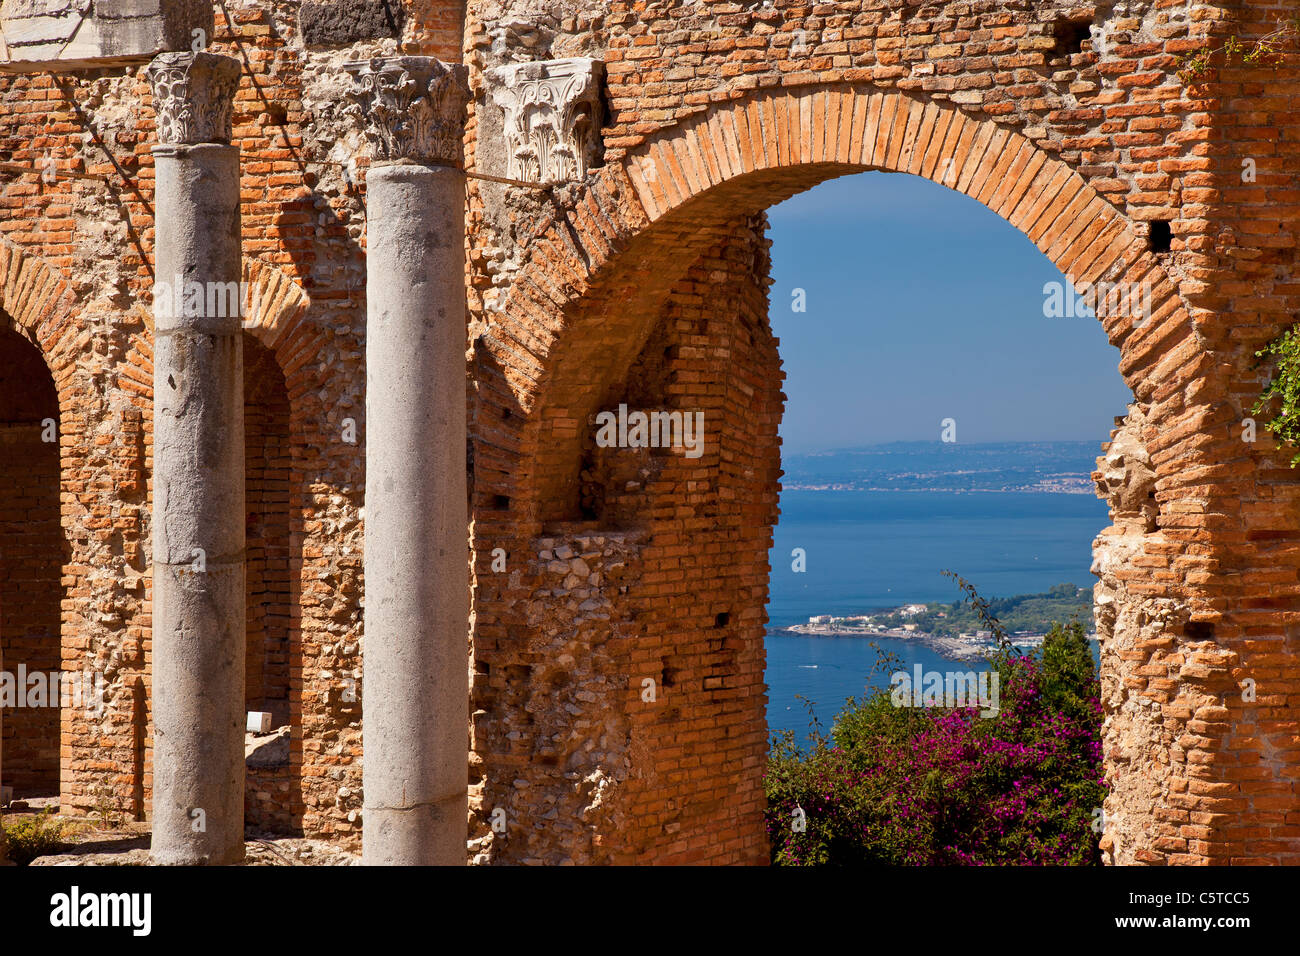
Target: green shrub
x,y
33,836
941,786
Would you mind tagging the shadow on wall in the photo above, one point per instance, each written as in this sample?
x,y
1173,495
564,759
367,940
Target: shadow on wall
x,y
273,794
32,554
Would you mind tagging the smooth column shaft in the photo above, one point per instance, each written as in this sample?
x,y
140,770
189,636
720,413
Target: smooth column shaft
x,y
415,693
198,519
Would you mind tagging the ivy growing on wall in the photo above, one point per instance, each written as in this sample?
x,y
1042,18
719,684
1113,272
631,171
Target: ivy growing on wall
x,y
1285,387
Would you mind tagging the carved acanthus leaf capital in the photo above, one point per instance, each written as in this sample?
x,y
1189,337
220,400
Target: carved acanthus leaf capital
x,y
552,117
193,95
411,108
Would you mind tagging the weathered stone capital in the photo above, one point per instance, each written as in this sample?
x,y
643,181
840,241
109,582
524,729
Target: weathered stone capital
x,y
411,108
552,116
193,95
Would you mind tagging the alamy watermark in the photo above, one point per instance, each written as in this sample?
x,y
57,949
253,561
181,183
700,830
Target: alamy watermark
x,y
651,430
1098,300
199,299
924,688
75,909
26,689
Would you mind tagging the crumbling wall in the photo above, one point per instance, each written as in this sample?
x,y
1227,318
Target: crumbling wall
x,y
577,299
669,650
1199,586
1138,632
303,219
550,718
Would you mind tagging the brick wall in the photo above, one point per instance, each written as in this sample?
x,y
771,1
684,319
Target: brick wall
x,y
606,291
618,689
716,109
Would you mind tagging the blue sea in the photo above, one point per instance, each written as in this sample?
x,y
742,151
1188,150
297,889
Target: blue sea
x,y
867,550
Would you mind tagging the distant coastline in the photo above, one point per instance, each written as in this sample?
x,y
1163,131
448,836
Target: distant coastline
x,y
1074,485
1032,616
953,648
1006,467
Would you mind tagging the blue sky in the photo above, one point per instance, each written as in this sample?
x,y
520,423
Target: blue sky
x,y
922,305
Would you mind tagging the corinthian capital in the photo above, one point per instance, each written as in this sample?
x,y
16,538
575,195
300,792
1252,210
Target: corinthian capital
x,y
193,95
552,117
411,107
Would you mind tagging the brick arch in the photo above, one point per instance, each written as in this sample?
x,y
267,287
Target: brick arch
x,y
276,315
34,294
640,246
275,305
582,304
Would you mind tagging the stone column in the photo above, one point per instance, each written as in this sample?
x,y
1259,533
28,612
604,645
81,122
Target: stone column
x,y
198,467
415,688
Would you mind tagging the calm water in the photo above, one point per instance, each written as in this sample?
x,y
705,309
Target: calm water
x,y
867,549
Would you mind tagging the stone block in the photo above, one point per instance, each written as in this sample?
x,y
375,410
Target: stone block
x,y
57,35
343,22
120,9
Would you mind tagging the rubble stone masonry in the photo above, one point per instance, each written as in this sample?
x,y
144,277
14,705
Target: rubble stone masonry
x,y
614,651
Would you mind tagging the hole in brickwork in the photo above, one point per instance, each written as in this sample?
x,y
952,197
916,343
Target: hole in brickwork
x,y
722,620
1070,36
31,558
1199,630
501,502
614,480
1161,237
267,469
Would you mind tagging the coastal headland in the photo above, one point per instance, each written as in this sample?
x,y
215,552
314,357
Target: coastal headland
x,y
953,648
954,631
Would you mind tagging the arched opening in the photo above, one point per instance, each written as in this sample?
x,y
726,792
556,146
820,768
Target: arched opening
x,y
269,583
31,566
948,395
655,571
267,544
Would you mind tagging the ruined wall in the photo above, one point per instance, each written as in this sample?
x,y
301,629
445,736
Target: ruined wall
x,y
1201,678
303,218
715,108
1068,119
1237,664
618,690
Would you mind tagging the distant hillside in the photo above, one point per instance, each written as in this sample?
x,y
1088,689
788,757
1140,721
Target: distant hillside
x,y
937,466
